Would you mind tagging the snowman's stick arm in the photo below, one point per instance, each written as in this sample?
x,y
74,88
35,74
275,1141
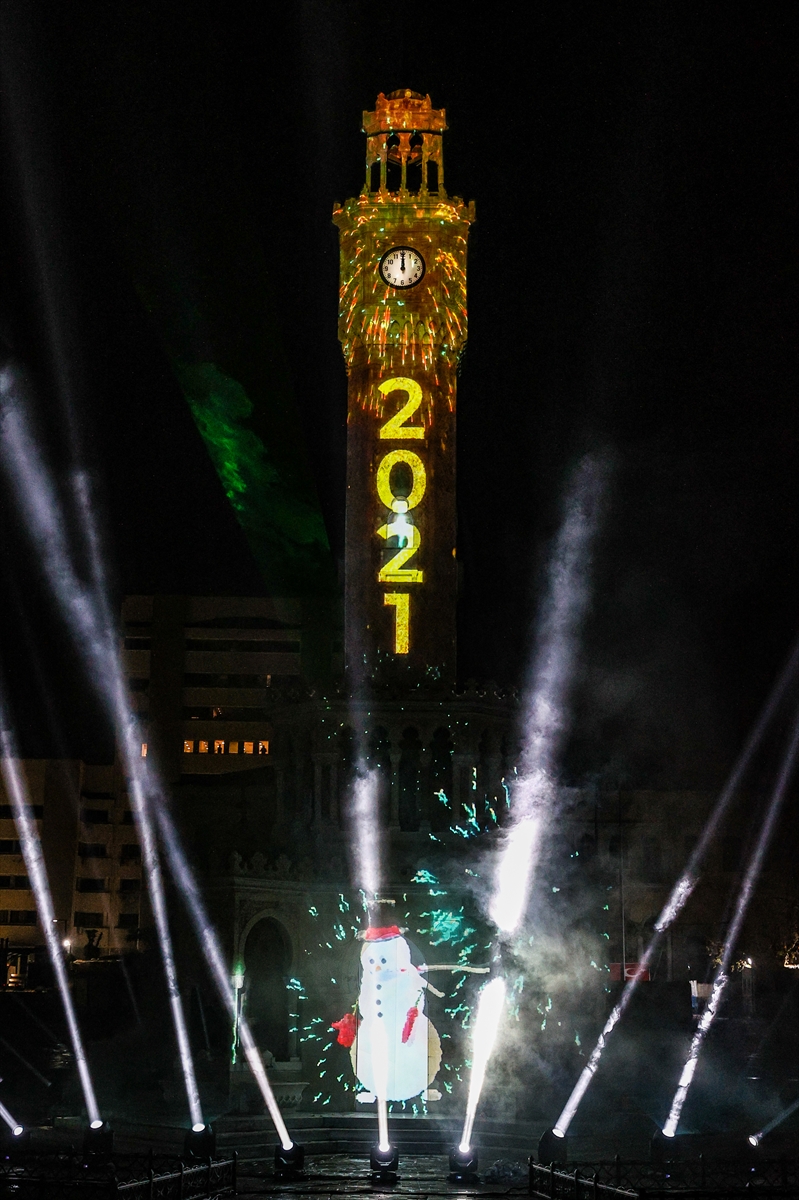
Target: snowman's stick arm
x,y
454,967
432,989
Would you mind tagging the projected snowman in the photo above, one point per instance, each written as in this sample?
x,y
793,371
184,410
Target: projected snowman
x,y
394,1048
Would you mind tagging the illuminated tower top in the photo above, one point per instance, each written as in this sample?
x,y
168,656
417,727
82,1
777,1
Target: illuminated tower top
x,y
402,327
404,146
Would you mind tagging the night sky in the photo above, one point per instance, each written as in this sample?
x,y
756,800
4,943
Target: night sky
x,y
169,173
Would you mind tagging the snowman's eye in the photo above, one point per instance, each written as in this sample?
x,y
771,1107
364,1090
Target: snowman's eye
x,y
372,961
382,960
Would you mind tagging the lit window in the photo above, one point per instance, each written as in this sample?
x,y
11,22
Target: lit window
x,y
263,747
219,747
144,749
249,747
233,748
188,747
203,747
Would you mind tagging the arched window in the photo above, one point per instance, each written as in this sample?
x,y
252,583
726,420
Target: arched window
x,y
413,168
441,781
394,164
410,752
267,962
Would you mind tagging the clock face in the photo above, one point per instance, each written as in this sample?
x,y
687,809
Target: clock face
x,y
401,267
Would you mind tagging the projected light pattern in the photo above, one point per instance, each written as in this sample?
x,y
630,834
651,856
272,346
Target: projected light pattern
x,y
31,847
490,1007
546,717
756,1138
95,635
721,978
439,926
684,886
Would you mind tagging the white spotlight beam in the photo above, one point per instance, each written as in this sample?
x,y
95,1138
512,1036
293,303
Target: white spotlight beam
x,y
96,637
209,942
546,719
364,819
684,886
756,1138
721,978
13,1125
489,1014
96,631
31,847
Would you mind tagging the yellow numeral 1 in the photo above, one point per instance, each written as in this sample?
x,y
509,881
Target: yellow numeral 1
x,y
401,602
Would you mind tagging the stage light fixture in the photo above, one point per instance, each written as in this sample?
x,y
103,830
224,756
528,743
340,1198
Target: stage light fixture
x,y
660,1145
463,1165
200,1141
552,1147
98,1139
383,1163
289,1162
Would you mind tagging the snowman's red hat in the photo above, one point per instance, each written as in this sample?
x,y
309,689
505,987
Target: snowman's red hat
x,y
380,933
377,934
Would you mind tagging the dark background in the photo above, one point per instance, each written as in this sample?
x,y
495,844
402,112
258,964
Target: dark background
x,y
169,174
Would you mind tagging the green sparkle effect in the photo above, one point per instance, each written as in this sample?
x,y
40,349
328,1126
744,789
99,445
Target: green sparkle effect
x,y
283,525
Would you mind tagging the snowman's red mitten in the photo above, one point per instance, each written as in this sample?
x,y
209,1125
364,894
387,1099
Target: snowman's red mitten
x,y
407,1028
347,1029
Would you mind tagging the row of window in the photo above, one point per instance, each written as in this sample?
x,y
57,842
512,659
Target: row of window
x,y
101,816
228,713
102,885
219,746
17,916
129,852
19,882
96,920
34,810
224,645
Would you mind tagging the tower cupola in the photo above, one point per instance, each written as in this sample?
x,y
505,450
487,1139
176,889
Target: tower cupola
x,y
404,146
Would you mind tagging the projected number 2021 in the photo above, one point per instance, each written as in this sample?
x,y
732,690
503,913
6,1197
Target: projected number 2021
x,y
401,482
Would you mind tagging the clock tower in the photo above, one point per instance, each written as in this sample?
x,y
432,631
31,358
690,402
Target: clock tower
x,y
402,327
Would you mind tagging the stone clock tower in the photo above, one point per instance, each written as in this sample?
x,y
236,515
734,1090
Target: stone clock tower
x,y
402,326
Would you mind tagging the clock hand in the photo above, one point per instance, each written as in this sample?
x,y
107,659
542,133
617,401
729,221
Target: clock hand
x,y
402,261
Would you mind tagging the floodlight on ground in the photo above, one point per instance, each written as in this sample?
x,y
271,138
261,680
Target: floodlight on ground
x,y
199,1141
383,1163
98,1138
289,1163
463,1165
552,1147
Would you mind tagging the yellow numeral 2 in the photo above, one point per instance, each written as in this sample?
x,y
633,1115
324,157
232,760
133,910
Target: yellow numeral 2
x,y
395,426
395,571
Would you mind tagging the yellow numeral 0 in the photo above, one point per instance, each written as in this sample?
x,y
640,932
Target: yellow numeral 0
x,y
418,472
